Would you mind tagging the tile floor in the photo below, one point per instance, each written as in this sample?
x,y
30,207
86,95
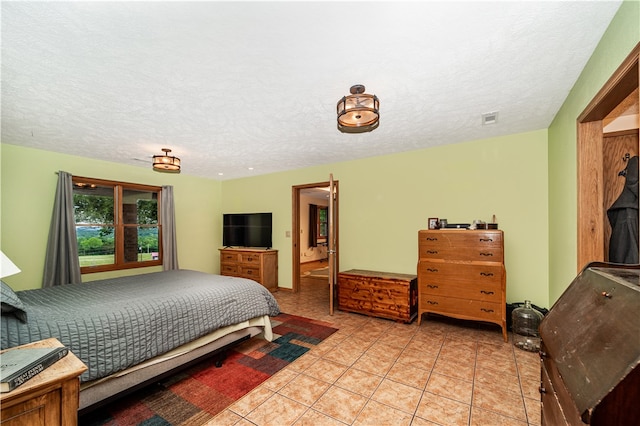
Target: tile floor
x,y
379,372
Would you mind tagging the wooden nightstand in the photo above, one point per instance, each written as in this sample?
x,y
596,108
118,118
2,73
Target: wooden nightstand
x,y
50,398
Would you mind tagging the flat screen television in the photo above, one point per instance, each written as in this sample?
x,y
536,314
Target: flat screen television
x,y
246,230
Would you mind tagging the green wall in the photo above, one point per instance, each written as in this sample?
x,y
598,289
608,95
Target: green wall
x,y
618,41
28,184
385,200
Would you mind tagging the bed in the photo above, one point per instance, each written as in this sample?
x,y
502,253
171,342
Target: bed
x,y
131,330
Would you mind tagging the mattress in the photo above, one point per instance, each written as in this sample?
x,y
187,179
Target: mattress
x,y
117,323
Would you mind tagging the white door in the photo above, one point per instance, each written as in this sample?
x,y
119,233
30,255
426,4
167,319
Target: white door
x,y
332,241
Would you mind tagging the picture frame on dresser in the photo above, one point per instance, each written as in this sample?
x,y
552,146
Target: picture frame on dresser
x,y
433,223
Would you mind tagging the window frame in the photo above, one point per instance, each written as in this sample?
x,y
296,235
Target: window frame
x,y
119,224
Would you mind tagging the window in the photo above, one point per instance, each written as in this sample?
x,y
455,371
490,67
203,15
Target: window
x,y
117,224
323,226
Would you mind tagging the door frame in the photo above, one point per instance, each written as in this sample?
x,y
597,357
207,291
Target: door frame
x,y
591,211
295,228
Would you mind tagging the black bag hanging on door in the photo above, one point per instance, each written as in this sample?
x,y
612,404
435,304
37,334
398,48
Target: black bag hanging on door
x,y
623,217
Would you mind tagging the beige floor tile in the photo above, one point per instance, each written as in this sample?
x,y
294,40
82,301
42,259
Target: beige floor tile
x,y
377,414
250,401
397,395
417,358
480,417
344,355
314,418
493,378
450,387
277,410
373,364
302,363
304,389
384,351
340,404
279,379
497,400
534,411
325,370
443,410
409,375
359,381
460,368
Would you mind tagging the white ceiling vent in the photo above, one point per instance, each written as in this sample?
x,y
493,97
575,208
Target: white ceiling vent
x,y
489,118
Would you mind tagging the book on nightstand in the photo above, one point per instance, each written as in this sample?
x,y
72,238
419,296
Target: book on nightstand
x,y
21,364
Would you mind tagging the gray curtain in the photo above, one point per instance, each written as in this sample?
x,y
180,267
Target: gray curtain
x,y
313,225
61,264
169,244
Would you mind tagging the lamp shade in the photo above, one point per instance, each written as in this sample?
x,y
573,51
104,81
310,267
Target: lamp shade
x,y
358,110
166,163
7,267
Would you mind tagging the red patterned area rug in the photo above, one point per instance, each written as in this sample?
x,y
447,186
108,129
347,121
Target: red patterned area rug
x,y
195,395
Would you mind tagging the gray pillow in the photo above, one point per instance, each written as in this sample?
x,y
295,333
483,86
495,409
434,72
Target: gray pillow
x,y
11,303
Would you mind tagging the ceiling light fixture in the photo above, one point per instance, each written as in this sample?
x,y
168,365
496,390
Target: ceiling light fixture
x,y
358,112
166,163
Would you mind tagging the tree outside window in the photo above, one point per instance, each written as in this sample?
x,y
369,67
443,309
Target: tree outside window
x,y
117,224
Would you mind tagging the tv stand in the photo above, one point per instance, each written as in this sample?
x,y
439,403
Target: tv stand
x,y
260,265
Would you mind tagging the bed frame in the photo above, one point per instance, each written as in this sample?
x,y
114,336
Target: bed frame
x,y
103,391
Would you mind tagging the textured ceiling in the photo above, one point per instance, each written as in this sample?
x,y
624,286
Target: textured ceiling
x,y
231,86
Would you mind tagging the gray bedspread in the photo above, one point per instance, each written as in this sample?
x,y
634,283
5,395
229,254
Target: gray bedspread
x,y
117,323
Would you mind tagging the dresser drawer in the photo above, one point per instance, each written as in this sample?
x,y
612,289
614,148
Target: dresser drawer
x,y
469,253
487,292
229,257
461,308
459,238
473,274
250,258
249,272
228,269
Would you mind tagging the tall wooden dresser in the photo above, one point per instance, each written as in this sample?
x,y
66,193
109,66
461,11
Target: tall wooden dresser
x,y
257,264
461,274
590,350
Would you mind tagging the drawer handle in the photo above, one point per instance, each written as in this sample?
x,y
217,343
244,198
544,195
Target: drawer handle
x,y
486,240
432,251
432,239
542,389
486,292
486,310
432,286
486,254
432,270
249,272
486,274
431,302
607,295
250,259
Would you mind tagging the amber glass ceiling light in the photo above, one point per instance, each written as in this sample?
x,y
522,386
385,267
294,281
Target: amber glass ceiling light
x,y
358,112
166,162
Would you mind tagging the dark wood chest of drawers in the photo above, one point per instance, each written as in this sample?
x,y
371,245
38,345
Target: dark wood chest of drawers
x,y
461,274
590,352
381,294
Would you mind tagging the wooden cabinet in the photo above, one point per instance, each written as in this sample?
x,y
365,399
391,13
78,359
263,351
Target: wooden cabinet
x,y
380,294
590,351
49,398
256,264
461,274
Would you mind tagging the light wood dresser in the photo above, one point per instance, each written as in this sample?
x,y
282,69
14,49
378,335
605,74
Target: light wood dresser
x,y
257,264
380,294
461,274
49,398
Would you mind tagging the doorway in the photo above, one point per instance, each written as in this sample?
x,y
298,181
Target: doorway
x,y
302,250
595,153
